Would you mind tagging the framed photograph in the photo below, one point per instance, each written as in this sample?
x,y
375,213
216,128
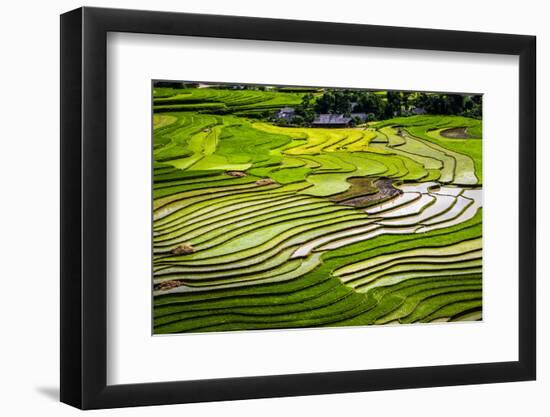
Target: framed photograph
x,y
257,208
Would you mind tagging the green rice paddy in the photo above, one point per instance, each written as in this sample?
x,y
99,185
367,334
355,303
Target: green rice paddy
x,y
258,226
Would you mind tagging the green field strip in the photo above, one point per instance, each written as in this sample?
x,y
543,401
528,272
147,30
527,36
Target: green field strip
x,y
160,121
237,100
426,162
387,244
406,266
287,239
371,234
313,311
218,299
258,237
337,311
415,169
335,183
225,210
204,208
412,301
394,203
415,146
444,305
245,296
169,174
393,138
176,137
268,311
334,320
206,181
448,158
427,128
428,262
307,285
474,314
283,272
327,184
165,211
454,212
408,209
394,244
329,163
379,138
396,166
467,170
209,204
450,190
215,161
239,215
441,205
208,280
172,271
427,156
289,170
215,234
239,186
475,131
295,133
350,139
469,212
296,217
332,140
395,300
452,249
370,283
385,307
209,186
289,274
315,141
226,264
384,300
306,248
421,187
368,164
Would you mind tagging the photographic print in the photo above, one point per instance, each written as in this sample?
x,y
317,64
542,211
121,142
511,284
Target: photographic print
x,y
287,207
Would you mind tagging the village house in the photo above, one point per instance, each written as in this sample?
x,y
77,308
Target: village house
x,y
337,120
286,113
361,116
418,110
331,120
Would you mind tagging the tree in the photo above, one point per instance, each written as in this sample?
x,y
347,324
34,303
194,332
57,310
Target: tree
x,y
405,98
325,103
394,102
455,103
298,120
368,102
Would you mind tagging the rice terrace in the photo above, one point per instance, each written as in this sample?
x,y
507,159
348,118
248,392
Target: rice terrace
x,y
289,207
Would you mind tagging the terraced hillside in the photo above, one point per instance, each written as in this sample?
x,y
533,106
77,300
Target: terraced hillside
x,y
260,227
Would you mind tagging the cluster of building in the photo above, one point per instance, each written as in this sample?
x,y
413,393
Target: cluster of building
x,y
325,120
333,119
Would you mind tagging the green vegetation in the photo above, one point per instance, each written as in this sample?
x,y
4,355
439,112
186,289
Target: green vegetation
x,y
378,105
260,224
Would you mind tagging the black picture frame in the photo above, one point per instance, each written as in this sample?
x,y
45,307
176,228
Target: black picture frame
x,y
84,207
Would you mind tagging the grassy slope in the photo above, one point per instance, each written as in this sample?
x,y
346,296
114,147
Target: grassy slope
x,y
428,127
